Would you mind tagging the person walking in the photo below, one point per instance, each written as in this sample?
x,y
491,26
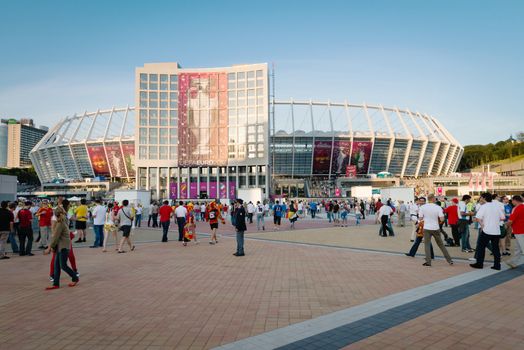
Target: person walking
x,y
313,209
250,211
452,213
25,230
81,221
99,218
432,214
384,213
7,220
420,235
277,215
154,214
14,208
260,216
489,216
516,221
402,209
180,214
166,213
138,215
60,244
125,218
465,214
44,215
110,227
240,227
212,216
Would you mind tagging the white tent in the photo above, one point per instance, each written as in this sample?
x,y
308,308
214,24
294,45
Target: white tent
x,y
74,199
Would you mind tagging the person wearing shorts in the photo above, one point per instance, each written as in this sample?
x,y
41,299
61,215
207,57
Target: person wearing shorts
x,y
125,217
212,216
81,221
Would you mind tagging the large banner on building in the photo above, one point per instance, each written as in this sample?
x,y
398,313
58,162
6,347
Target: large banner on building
x,y
129,157
321,157
98,160
202,111
344,154
341,157
115,160
360,155
216,190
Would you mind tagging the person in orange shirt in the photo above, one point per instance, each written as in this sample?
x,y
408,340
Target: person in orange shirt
x,y
212,216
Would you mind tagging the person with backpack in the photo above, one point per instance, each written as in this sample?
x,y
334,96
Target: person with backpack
x,y
25,230
240,227
260,215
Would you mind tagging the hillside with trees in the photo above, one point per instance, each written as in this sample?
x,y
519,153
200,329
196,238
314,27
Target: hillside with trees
x,y
477,155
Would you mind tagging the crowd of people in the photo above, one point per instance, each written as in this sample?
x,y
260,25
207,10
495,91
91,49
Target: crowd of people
x,y
497,218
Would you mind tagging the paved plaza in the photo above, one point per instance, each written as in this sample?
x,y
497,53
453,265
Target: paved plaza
x,y
315,287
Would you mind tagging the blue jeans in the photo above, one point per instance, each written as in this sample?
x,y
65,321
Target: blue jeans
x,y
415,245
260,219
138,220
240,242
99,235
12,239
61,263
165,229
329,214
464,234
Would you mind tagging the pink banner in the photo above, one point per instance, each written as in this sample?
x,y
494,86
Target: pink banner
x,y
360,155
202,110
193,193
212,190
183,190
222,190
173,190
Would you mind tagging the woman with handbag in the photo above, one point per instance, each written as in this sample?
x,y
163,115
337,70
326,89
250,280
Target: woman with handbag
x,y
125,218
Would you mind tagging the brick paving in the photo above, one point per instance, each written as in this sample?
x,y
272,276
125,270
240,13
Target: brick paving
x,y
491,319
196,297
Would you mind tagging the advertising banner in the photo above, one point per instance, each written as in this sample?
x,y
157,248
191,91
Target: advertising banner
x,y
321,157
115,160
98,160
129,157
202,110
193,192
212,190
351,171
173,190
360,155
232,190
341,157
183,191
222,190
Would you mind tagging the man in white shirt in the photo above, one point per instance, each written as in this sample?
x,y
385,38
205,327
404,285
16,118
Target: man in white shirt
x,y
413,215
384,213
250,211
432,215
489,216
260,216
402,209
99,218
180,214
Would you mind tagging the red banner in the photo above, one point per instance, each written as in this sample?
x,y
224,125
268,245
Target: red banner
x,y
98,160
321,157
116,160
351,171
202,110
341,153
129,157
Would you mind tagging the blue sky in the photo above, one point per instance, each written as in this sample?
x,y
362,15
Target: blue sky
x,y
460,61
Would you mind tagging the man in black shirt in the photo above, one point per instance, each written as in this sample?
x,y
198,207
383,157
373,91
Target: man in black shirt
x,y
240,226
6,226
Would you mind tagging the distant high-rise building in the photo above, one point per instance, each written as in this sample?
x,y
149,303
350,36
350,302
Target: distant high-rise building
x,y
17,139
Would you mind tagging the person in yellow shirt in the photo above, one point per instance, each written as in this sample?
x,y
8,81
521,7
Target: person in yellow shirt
x,y
81,221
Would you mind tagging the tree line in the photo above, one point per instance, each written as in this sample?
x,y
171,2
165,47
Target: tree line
x,y
476,155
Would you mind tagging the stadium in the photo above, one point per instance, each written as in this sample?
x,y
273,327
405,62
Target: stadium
x,y
205,133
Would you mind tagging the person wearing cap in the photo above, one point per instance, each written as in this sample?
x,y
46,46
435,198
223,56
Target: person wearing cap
x,y
452,214
240,226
